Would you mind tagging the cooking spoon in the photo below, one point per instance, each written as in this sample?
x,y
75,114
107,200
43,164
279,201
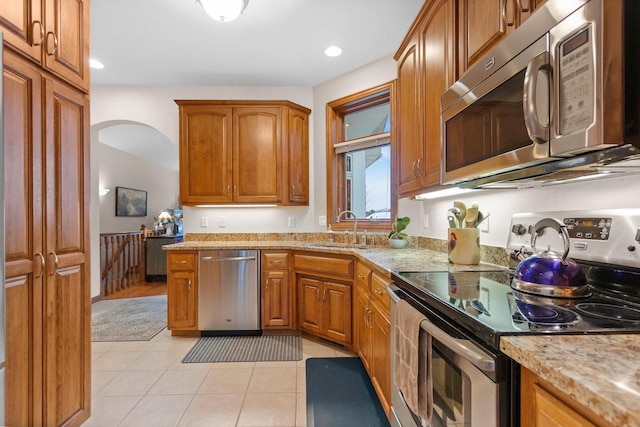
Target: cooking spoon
x,y
463,210
472,217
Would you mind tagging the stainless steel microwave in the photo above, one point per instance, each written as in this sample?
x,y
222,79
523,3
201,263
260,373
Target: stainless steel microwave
x,y
557,99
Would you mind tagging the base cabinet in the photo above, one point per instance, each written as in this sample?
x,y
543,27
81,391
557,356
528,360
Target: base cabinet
x,y
276,292
325,309
182,291
543,405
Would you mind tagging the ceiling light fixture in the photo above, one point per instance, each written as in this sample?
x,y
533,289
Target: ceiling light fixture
x,y
223,10
333,51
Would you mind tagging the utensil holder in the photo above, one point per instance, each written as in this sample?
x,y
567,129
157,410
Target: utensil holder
x,y
464,245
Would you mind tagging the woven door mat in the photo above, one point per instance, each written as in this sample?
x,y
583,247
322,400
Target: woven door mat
x,y
263,348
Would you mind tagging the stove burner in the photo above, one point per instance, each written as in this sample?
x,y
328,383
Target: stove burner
x,y
610,312
546,314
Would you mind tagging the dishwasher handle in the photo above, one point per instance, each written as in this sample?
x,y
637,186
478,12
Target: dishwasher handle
x,y
462,347
229,258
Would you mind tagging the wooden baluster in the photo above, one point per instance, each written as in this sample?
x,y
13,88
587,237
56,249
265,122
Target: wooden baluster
x,y
111,270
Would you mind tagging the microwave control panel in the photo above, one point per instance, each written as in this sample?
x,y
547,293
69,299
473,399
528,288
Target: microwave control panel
x,y
577,86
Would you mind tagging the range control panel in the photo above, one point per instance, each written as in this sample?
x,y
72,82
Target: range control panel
x,y
588,228
609,236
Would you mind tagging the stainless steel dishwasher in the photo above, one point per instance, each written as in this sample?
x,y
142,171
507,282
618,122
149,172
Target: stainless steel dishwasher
x,y
228,292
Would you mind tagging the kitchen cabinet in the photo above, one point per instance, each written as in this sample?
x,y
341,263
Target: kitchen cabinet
x,y
324,285
427,66
47,286
51,33
542,404
243,152
372,329
485,23
182,292
276,292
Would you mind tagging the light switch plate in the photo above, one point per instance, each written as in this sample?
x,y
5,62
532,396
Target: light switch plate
x,y
204,221
291,221
322,220
222,222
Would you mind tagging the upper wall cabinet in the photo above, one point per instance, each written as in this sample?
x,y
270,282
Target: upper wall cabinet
x,y
426,68
244,152
52,33
484,23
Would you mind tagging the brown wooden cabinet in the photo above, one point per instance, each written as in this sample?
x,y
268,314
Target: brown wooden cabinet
x,y
276,293
324,284
372,331
52,33
426,68
182,291
543,405
243,152
48,301
485,23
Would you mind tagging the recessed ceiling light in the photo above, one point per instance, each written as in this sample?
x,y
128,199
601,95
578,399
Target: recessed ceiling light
x,y
333,51
94,63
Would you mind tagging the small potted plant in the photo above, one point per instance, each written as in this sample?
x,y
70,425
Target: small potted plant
x,y
398,239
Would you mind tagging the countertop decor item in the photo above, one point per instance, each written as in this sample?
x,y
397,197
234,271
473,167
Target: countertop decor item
x,y
397,238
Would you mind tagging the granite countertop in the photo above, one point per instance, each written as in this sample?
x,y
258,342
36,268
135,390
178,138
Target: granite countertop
x,y
601,372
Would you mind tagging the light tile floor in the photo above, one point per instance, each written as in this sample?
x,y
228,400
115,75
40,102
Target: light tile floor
x,y
143,383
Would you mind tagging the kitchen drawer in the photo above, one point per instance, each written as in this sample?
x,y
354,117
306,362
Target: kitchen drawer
x,y
363,275
335,266
181,261
379,290
275,260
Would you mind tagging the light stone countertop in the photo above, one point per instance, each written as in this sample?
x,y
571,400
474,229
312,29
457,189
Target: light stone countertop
x,y
601,372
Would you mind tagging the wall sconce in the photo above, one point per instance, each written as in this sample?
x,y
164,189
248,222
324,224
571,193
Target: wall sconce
x,y
104,191
223,10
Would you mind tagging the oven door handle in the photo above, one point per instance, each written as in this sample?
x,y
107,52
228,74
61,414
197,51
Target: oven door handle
x,y
462,347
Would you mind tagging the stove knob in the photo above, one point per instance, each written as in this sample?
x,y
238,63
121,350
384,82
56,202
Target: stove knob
x,y
631,248
518,229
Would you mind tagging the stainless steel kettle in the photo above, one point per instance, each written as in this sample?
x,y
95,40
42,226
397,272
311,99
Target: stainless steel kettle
x,y
547,272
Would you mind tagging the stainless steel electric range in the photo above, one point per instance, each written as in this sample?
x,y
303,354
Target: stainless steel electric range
x,y
469,311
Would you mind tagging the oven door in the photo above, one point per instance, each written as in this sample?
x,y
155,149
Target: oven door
x,y
501,124
463,393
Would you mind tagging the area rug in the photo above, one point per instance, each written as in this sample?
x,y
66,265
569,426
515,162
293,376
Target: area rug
x,y
340,394
137,319
263,348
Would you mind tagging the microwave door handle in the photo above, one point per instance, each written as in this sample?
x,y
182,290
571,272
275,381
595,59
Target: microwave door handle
x,y
537,132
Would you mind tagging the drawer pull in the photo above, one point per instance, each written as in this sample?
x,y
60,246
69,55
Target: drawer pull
x,y
377,291
360,276
181,262
276,261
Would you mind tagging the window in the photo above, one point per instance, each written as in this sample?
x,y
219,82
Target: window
x,y
359,157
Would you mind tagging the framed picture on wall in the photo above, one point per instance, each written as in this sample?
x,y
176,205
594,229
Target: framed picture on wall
x,y
130,202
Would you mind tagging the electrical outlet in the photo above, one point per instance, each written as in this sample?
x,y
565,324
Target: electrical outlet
x,y
322,220
204,221
222,222
426,221
291,221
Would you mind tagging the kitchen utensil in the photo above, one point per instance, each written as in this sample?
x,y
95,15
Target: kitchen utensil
x,y
472,217
453,222
457,213
481,218
548,273
463,211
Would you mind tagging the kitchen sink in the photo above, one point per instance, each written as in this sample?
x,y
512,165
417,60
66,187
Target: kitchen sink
x,y
335,245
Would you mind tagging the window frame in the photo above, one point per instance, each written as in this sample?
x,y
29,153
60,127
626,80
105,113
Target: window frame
x,y
336,174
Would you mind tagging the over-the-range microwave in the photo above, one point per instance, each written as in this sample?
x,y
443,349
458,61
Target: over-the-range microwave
x,y
557,99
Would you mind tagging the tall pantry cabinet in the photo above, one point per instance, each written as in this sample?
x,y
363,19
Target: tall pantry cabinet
x,y
46,137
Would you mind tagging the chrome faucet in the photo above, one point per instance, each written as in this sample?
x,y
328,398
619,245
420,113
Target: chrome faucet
x,y
355,225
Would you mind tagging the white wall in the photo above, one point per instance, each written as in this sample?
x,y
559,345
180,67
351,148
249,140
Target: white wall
x,y
120,169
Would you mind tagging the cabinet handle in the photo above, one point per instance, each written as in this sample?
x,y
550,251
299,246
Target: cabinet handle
x,y
33,28
42,265
504,14
228,189
276,261
522,8
370,313
181,262
377,291
318,293
55,263
366,317
189,285
266,284
415,173
55,43
235,189
324,295
360,276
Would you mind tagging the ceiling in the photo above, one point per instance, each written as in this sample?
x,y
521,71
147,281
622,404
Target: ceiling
x,y
273,43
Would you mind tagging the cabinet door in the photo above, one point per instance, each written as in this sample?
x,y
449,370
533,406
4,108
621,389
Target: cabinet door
x,y
381,356
22,26
276,298
66,42
409,121
205,154
361,327
337,312
67,298
439,64
310,305
298,158
24,260
181,300
257,154
483,24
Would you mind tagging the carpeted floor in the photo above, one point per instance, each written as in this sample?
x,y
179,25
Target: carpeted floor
x,y
340,394
136,319
263,348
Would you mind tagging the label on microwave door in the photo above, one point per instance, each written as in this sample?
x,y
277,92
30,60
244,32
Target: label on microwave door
x,y
577,84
